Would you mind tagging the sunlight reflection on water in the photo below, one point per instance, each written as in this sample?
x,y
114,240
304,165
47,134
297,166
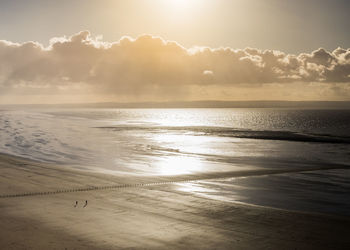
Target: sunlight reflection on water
x,y
175,165
148,142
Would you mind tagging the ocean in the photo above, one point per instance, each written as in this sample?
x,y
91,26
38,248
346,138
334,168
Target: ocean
x,y
307,150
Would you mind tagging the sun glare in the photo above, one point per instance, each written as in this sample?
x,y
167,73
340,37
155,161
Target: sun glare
x,y
179,11
176,165
180,6
178,3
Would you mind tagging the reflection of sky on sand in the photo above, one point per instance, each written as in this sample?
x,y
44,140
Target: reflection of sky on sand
x,y
175,165
185,153
195,143
163,141
211,189
199,144
322,191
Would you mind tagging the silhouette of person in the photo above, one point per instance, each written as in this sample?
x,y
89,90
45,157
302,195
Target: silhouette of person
x,y
85,204
76,204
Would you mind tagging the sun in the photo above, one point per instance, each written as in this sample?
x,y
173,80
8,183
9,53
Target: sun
x,y
180,11
177,5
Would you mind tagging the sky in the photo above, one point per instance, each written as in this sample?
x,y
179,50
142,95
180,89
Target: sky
x,y
165,50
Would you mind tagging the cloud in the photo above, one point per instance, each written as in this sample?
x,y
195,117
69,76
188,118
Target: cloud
x,y
150,64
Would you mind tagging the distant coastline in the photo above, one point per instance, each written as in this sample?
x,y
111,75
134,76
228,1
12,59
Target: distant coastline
x,y
196,104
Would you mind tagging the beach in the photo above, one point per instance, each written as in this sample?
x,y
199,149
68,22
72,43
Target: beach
x,y
174,124
37,212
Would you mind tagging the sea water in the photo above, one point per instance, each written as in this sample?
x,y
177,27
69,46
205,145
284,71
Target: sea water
x,y
194,141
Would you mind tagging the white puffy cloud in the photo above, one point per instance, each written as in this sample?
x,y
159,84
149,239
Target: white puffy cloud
x,y
148,64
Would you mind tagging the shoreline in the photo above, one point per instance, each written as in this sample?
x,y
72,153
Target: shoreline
x,y
150,216
268,104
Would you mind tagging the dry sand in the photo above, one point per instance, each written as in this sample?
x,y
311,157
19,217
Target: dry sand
x,y
37,212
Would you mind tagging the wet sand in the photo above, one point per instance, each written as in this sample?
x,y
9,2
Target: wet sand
x,y
37,212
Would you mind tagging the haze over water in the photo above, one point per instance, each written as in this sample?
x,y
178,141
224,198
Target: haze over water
x,y
170,142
